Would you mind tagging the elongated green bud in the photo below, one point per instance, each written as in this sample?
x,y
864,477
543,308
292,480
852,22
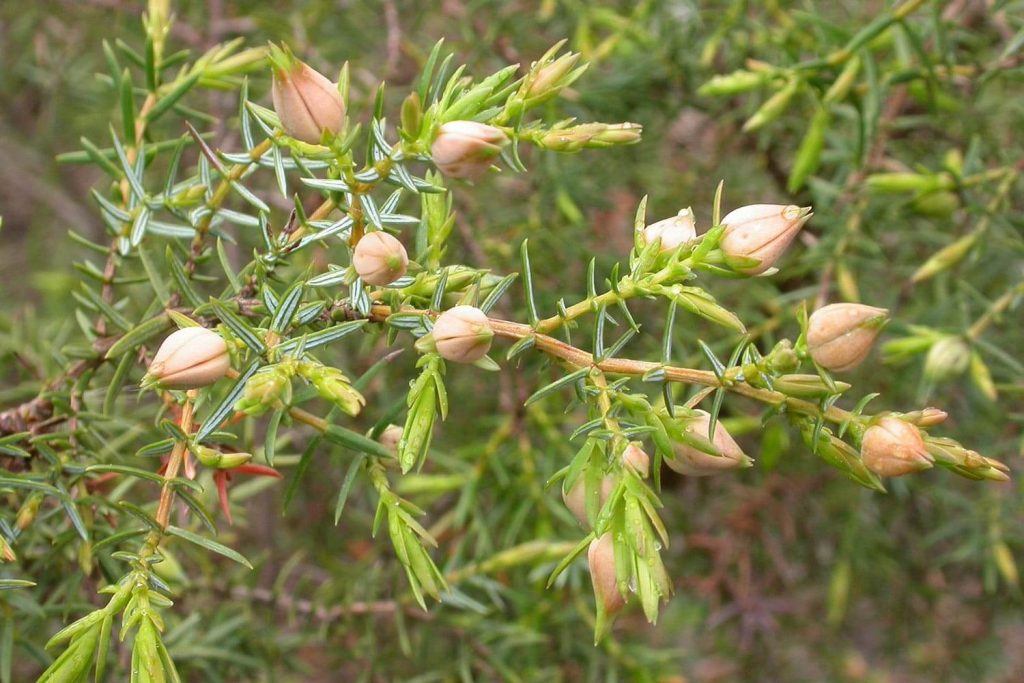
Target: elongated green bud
x,y
946,258
590,135
211,457
808,157
734,83
773,107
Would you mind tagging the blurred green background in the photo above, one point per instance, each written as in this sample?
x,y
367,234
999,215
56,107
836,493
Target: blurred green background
x,y
785,572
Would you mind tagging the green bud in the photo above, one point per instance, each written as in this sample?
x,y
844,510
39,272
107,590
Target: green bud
x,y
898,183
837,453
783,358
807,386
947,358
28,511
946,258
982,377
841,87
412,115
808,157
549,77
332,385
734,83
590,135
773,107
269,387
938,204
211,457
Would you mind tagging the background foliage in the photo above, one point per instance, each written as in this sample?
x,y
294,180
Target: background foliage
x,y
786,571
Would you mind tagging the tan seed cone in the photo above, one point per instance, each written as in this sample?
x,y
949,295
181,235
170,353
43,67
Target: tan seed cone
x,y
840,336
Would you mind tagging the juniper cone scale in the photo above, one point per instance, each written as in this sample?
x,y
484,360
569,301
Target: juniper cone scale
x,y
840,336
893,448
379,258
466,149
694,462
761,233
189,358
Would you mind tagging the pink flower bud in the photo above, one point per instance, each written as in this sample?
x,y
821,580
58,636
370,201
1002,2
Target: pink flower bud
x,y
549,77
930,417
757,235
840,336
892,448
462,334
694,462
636,459
379,258
306,101
390,437
465,149
189,358
672,232
601,559
576,497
